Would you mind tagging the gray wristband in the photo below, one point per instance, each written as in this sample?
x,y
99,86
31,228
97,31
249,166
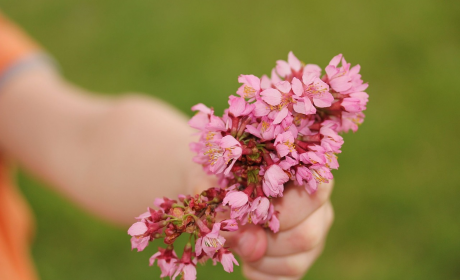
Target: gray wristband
x,y
25,64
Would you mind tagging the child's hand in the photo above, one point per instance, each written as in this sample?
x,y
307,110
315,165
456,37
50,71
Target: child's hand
x,y
304,223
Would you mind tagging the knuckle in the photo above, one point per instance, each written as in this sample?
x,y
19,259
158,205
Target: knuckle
x,y
248,273
308,239
252,274
295,266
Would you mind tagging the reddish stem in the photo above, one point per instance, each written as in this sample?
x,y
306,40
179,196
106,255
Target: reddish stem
x,y
301,144
300,149
315,126
312,138
270,146
335,106
259,191
235,122
267,158
249,189
187,255
203,228
242,127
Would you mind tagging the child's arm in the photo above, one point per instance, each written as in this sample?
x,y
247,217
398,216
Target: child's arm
x,y
112,156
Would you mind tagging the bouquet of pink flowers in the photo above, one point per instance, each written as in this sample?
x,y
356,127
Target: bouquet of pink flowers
x,y
279,129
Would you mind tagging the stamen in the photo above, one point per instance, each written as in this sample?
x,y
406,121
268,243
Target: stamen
x,y
249,91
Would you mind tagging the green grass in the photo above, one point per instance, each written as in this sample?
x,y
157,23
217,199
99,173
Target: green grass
x,y
397,191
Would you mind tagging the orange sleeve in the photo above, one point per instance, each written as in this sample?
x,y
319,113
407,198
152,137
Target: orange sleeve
x,y
15,231
15,217
14,44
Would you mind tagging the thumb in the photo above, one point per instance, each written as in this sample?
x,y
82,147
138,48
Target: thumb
x,y
249,242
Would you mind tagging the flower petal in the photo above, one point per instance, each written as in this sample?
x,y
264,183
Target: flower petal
x,y
281,115
137,229
271,96
294,62
297,87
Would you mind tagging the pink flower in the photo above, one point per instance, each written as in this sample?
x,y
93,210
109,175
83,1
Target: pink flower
x,y
167,260
273,182
351,105
303,104
282,109
312,69
304,177
228,149
186,266
321,174
331,141
273,223
338,77
240,213
278,100
201,119
261,108
143,232
286,69
229,225
138,240
144,216
271,96
343,79
356,102
351,121
250,88
227,259
287,163
287,124
216,124
284,144
210,243
259,209
187,270
137,229
239,106
313,157
331,160
164,203
317,90
238,201
235,199
264,130
232,147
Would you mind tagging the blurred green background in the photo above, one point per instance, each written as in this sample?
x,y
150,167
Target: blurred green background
x,y
397,191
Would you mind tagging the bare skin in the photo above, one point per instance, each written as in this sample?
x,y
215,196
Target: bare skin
x,y
113,156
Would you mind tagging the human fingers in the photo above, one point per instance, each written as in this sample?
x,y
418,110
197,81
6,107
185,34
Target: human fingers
x,y
249,242
252,243
303,237
296,204
282,268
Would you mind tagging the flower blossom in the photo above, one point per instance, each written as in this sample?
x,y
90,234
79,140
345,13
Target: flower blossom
x,y
273,182
284,144
167,260
227,259
211,242
280,128
250,88
220,154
